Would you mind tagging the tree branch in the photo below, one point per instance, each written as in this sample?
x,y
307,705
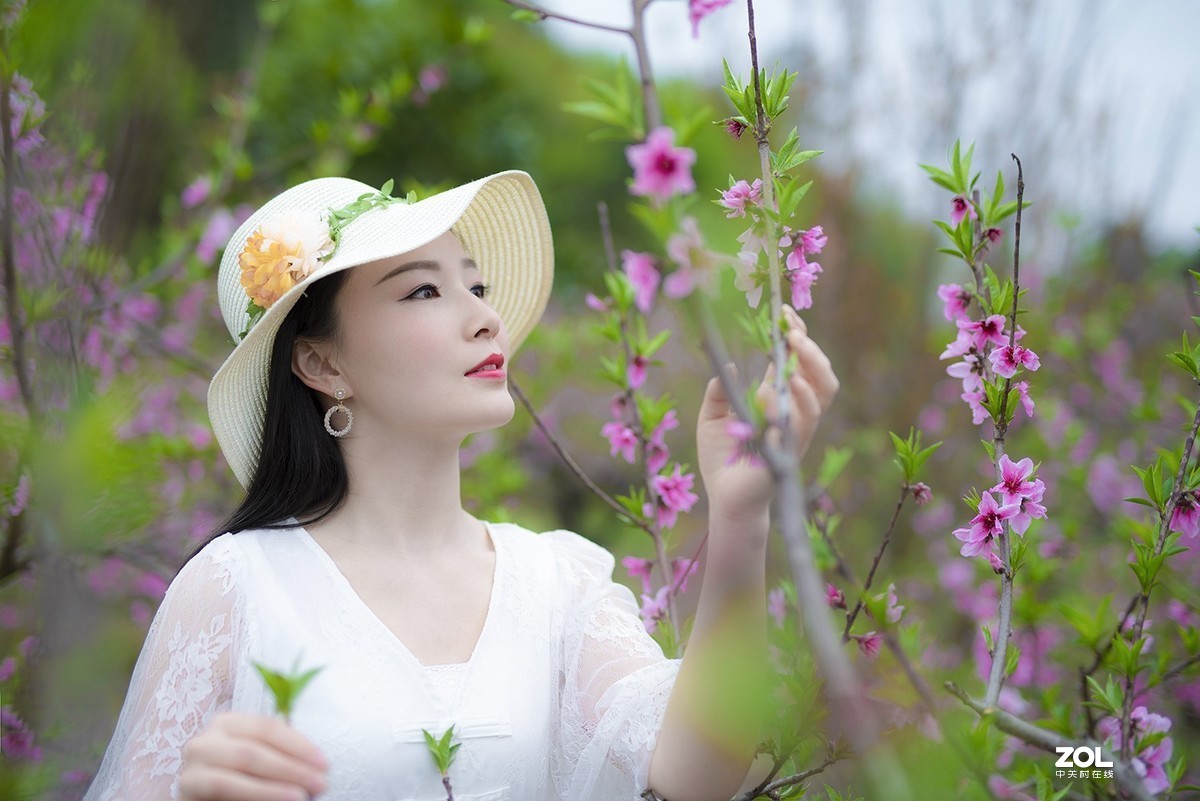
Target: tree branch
x,y
545,15
1048,740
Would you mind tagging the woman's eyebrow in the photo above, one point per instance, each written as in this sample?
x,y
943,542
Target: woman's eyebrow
x,y
423,264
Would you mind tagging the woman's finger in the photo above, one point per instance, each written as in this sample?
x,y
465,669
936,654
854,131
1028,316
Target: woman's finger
x,y
208,782
795,321
259,747
806,401
816,367
276,733
242,763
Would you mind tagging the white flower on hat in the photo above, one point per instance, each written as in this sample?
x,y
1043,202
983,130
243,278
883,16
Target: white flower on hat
x,y
281,252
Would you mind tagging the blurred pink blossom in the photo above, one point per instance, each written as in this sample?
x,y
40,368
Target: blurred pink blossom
x,y
660,169
1149,761
868,643
644,276
699,9
955,300
687,250
654,608
621,439
635,374
20,496
17,742
777,606
1026,401
1186,517
638,567
894,610
196,192
682,570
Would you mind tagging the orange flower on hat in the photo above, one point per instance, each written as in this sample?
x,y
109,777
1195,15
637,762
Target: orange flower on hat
x,y
282,252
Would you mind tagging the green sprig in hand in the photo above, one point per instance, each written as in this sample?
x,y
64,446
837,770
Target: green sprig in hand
x,y
286,687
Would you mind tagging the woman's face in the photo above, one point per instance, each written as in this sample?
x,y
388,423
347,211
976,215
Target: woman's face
x,y
411,328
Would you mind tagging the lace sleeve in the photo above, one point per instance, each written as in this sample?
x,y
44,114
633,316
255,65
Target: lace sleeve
x,y
615,680
183,676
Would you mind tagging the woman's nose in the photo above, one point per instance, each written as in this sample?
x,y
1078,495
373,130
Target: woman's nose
x,y
487,319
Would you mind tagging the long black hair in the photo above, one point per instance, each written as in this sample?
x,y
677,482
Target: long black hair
x,y
300,470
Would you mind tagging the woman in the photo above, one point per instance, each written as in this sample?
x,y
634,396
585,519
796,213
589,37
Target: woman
x,y
342,410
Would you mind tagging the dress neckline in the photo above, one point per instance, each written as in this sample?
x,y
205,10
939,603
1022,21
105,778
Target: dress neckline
x,y
340,579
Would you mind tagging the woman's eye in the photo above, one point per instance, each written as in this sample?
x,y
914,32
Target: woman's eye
x,y
482,290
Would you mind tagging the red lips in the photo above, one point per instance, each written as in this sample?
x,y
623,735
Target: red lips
x,y
496,360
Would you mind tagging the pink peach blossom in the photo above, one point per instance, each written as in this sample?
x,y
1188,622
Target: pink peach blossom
x,y
960,207
644,276
660,169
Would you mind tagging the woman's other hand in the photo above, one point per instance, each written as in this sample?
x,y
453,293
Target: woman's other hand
x,y
742,488
251,758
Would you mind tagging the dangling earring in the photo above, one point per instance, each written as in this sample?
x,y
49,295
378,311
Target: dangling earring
x,y
341,393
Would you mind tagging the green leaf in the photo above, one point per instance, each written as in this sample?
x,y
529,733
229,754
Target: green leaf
x,y
997,194
832,464
657,342
286,688
1107,698
941,178
526,16
593,109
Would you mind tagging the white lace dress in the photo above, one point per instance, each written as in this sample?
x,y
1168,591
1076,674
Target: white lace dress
x,y
562,698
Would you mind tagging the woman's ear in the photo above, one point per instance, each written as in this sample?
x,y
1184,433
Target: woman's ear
x,y
314,364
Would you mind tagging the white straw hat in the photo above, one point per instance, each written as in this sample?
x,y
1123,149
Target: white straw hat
x,y
500,220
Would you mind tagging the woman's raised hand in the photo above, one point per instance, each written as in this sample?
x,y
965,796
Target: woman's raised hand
x,y
250,758
741,488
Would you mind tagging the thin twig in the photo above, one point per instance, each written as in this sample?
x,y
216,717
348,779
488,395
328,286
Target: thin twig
x,y
771,789
887,537
653,114
1180,668
545,15
571,463
610,250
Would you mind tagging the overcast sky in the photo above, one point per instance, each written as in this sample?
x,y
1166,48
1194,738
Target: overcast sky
x,y
1131,69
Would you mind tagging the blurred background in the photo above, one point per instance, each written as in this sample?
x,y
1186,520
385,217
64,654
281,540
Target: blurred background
x,y
144,131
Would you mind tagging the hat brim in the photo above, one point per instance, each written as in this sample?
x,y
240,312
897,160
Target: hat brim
x,y
502,223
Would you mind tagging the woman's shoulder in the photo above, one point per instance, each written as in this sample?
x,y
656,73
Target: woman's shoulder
x,y
570,550
216,561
